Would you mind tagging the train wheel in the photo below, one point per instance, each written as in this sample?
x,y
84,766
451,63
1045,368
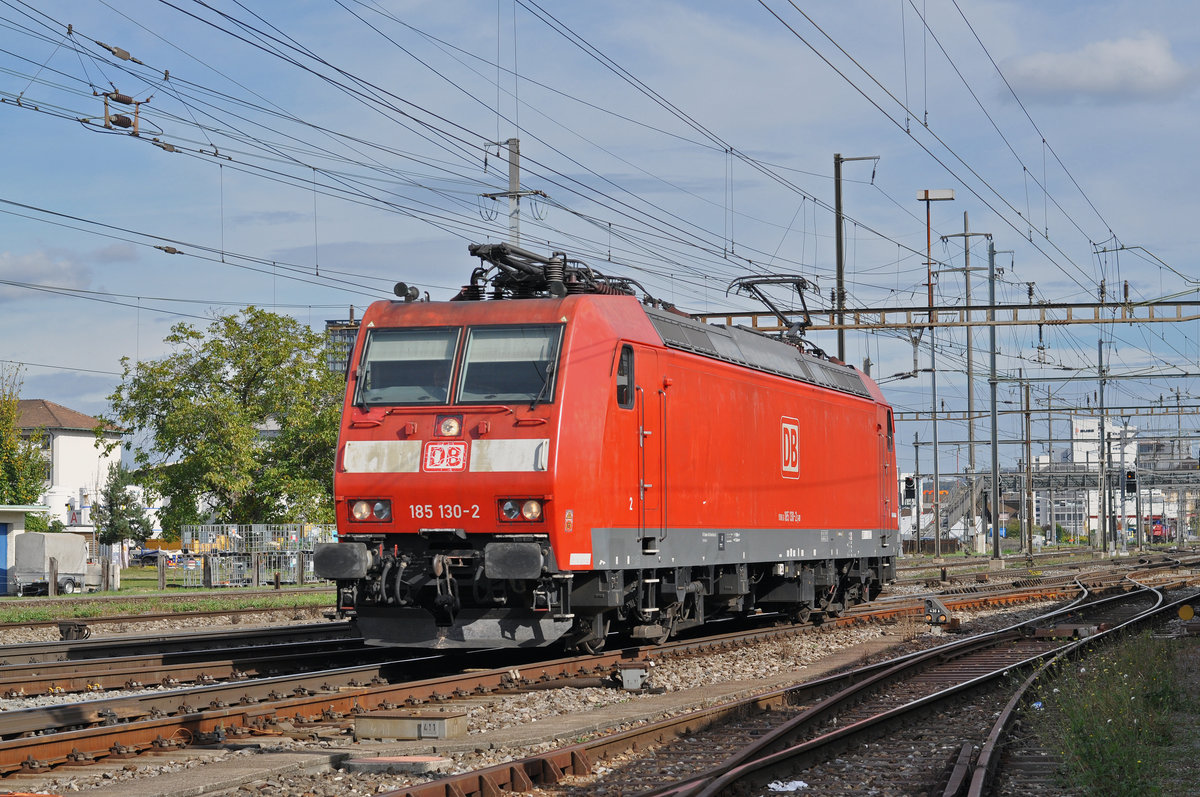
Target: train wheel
x,y
802,615
601,637
668,623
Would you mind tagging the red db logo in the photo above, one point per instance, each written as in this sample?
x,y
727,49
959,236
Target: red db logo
x,y
443,456
789,439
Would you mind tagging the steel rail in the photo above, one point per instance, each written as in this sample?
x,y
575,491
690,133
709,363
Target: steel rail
x,y
173,669
168,641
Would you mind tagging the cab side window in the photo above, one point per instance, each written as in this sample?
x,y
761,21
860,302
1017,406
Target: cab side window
x,y
625,378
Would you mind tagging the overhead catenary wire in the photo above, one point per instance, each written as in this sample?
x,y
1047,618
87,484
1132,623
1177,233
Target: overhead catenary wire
x,y
654,238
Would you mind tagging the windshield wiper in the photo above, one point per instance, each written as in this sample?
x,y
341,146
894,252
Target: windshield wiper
x,y
545,384
363,375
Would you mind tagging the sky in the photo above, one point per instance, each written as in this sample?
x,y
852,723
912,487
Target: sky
x,y
304,157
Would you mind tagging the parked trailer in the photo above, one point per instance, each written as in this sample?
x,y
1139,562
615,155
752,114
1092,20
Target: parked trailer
x,y
34,550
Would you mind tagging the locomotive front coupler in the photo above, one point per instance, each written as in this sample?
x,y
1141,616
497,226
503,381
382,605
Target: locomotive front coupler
x,y
446,605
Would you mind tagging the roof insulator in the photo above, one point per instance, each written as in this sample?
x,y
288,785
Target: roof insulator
x,y
118,52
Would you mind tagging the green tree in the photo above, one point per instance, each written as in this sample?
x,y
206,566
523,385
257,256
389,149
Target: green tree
x,y
240,422
41,521
118,515
22,467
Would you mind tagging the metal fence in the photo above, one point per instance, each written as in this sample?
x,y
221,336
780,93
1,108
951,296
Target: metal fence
x,y
240,555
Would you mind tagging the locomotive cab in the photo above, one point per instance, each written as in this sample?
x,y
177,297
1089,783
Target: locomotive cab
x,y
444,477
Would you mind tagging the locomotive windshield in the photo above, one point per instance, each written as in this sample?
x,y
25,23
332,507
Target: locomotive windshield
x,y
499,365
509,364
407,366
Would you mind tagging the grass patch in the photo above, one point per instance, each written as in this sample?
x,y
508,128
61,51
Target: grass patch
x,y
1111,715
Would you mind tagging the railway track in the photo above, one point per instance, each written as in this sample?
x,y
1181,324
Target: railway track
x,y
250,660
170,660
960,571
80,627
304,703
40,738
167,642
906,726
92,666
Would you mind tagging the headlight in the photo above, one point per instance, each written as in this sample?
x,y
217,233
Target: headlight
x,y
449,425
521,510
374,510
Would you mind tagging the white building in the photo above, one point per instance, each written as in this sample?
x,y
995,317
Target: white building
x,y
1121,454
76,469
1085,443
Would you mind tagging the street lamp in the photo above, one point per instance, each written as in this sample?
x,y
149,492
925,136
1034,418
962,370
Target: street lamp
x,y
929,196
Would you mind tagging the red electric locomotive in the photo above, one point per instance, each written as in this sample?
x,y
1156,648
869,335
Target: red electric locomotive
x,y
571,460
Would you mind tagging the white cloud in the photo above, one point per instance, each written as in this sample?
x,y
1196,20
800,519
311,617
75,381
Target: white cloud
x,y
1138,68
116,253
39,268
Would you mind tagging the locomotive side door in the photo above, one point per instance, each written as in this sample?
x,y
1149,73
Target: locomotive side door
x,y
650,409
